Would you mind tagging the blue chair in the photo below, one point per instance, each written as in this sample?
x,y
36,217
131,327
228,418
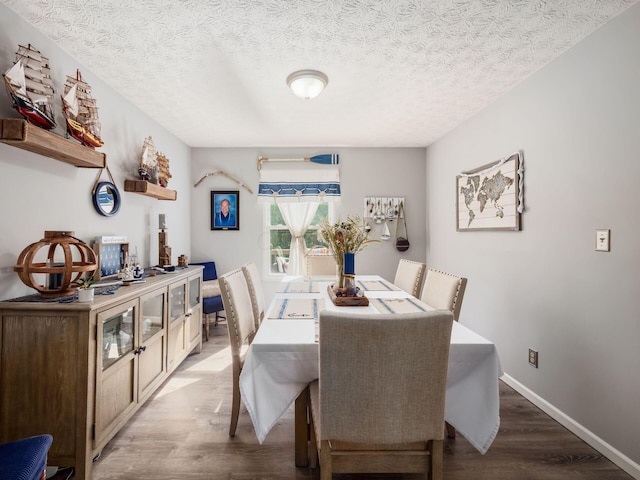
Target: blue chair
x,y
211,298
25,459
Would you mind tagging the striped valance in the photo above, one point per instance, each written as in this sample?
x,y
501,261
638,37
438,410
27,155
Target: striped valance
x,y
298,181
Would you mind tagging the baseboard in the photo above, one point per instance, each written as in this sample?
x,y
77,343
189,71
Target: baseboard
x,y
617,457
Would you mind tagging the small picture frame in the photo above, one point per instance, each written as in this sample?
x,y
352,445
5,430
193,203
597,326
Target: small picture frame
x,y
602,240
225,210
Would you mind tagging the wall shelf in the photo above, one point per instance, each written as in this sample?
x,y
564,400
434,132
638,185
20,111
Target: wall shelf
x,y
149,189
20,133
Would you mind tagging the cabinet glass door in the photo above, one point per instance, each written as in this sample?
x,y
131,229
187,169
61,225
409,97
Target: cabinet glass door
x,y
152,316
194,292
177,301
117,336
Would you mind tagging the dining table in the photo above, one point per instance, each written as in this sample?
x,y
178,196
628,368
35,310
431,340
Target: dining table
x,y
283,359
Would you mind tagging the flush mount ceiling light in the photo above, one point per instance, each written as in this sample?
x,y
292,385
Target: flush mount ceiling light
x,y
307,84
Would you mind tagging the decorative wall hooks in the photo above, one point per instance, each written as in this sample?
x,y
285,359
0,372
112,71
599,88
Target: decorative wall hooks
x,y
380,209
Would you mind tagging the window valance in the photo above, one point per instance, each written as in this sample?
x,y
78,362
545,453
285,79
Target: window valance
x,y
298,182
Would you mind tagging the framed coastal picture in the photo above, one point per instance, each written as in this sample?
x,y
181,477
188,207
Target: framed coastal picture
x,y
225,210
490,197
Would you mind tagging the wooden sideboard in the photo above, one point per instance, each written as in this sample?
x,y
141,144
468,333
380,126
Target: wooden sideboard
x,y
79,371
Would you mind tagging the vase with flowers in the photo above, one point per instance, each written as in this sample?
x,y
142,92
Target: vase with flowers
x,y
344,236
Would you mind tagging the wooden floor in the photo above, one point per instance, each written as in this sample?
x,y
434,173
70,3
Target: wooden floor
x,y
182,433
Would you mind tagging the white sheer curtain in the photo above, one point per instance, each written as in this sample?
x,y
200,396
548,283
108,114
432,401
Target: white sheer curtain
x,y
298,217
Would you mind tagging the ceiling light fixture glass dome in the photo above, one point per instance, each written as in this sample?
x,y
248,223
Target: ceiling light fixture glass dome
x,y
307,84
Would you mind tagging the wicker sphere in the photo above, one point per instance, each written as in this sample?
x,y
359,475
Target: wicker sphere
x,y
55,276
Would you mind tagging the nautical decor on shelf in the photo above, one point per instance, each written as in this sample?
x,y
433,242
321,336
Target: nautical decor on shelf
x,y
81,112
30,87
163,170
148,169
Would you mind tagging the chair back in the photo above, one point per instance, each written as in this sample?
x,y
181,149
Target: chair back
x,y
409,276
383,377
237,306
209,272
444,291
256,291
320,265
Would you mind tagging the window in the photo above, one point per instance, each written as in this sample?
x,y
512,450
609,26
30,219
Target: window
x,y
279,237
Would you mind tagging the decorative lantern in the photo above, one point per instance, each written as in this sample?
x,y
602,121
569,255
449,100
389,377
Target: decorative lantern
x,y
54,276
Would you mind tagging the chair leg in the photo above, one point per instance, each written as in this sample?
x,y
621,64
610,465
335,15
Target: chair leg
x,y
313,463
436,461
326,470
206,327
235,407
451,432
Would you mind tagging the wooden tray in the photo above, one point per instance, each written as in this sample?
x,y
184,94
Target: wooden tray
x,y
347,301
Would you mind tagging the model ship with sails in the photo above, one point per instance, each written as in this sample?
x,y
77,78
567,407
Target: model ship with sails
x,y
81,112
30,87
148,169
163,170
154,166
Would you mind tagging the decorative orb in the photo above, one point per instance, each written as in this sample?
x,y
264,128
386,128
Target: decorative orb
x,y
67,259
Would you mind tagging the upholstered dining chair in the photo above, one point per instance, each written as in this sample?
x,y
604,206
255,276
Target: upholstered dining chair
x,y
409,276
320,265
241,327
444,291
211,298
25,459
256,291
378,405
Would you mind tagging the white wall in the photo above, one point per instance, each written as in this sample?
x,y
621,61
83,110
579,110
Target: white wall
x,y
578,123
392,172
38,193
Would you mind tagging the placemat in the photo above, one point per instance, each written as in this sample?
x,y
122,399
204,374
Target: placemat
x,y
299,287
298,308
399,305
376,285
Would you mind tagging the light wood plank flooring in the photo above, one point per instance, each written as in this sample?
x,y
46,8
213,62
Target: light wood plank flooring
x,y
182,433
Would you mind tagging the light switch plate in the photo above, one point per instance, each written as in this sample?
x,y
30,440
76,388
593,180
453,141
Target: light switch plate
x,y
602,240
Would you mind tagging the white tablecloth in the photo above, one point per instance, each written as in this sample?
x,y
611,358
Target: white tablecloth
x,y
283,359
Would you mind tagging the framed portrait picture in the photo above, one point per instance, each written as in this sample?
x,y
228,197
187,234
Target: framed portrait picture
x,y
225,210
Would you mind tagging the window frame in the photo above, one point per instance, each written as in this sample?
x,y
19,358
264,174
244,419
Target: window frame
x,y
268,228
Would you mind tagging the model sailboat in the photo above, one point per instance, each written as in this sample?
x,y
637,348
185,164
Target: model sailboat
x,y
30,87
163,170
148,169
81,112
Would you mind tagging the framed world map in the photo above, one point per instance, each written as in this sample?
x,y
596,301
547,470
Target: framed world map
x,y
490,197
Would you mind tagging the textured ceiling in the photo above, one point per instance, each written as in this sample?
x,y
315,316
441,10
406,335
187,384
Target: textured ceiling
x,y
401,72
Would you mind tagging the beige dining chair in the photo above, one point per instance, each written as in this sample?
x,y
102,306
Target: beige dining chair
x,y
444,291
320,265
241,328
378,405
256,291
409,276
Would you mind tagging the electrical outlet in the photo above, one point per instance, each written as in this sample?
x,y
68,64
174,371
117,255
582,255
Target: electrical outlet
x,y
533,358
602,240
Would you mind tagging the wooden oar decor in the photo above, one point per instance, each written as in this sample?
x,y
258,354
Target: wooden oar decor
x,y
327,159
221,172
